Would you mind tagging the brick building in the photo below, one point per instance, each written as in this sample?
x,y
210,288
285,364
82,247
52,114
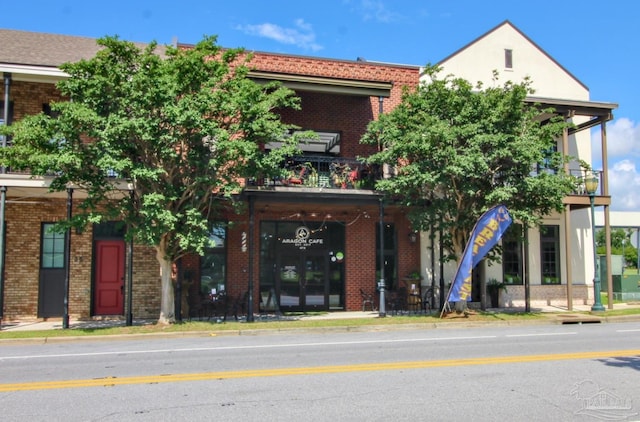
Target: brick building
x,y
307,242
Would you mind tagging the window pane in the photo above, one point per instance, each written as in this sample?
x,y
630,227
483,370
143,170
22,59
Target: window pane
x,y
53,245
550,254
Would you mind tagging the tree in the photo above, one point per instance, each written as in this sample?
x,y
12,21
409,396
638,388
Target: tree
x,y
461,149
620,245
182,126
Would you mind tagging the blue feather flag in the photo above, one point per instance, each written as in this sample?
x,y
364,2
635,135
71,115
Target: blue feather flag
x,y
485,235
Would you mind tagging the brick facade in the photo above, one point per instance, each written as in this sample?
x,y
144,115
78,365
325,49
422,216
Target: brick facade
x,y
348,114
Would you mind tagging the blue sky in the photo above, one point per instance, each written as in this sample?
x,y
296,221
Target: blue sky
x,y
595,40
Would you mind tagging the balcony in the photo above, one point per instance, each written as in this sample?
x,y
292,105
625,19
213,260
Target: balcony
x,y
323,172
582,176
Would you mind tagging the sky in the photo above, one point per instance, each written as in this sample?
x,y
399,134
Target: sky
x,y
597,41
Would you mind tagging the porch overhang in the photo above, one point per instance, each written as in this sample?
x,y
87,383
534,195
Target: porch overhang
x,y
27,188
598,112
283,194
326,85
326,143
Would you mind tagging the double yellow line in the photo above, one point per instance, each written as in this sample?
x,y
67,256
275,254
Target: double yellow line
x,y
332,369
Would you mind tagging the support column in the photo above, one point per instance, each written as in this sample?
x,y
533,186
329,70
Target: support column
x,y
251,251
67,259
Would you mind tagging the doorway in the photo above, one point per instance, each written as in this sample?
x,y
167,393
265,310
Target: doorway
x,y
303,281
302,266
108,268
109,277
53,267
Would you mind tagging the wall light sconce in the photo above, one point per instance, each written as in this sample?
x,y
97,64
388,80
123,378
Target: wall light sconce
x,y
413,237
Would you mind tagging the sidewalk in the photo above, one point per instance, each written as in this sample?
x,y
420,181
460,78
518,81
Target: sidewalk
x,y
56,323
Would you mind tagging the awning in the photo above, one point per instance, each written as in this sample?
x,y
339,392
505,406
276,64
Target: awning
x,y
326,143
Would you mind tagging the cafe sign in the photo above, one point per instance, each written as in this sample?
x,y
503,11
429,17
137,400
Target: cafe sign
x,y
302,239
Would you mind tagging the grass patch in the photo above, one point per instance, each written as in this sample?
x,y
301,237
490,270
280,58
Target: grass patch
x,y
272,324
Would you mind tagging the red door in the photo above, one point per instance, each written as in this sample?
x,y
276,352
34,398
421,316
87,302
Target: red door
x,y
109,278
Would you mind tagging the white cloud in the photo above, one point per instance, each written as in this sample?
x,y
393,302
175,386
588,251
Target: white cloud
x,y
302,35
624,186
623,153
376,10
623,139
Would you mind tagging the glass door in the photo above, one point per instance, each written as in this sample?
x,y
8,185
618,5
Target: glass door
x,y
315,284
290,275
303,282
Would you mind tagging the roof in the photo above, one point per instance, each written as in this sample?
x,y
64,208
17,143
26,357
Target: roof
x,y
508,23
38,56
41,49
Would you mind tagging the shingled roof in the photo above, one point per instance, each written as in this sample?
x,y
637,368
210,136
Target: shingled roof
x,y
47,50
40,49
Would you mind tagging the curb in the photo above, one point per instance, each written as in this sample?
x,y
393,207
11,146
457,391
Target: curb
x,y
555,319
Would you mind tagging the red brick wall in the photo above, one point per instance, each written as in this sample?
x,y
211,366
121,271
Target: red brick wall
x,y
349,114
360,248
28,98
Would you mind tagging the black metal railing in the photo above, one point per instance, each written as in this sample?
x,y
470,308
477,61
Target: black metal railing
x,y
583,177
323,172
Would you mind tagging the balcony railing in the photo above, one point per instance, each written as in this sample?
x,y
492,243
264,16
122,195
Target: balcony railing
x,y
323,172
582,176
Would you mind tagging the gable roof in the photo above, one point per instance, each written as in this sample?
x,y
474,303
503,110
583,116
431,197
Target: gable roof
x,y
508,23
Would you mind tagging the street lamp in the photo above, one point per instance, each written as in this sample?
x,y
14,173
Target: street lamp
x,y
591,184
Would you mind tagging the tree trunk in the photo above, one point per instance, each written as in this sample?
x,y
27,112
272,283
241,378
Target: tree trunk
x,y
167,303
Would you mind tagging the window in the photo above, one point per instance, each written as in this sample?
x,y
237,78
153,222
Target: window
x,y
213,264
389,253
52,247
550,161
512,255
550,254
508,59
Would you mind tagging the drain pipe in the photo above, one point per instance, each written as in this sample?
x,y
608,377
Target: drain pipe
x,y
3,196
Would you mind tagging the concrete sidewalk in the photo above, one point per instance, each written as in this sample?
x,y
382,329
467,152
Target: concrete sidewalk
x,y
56,323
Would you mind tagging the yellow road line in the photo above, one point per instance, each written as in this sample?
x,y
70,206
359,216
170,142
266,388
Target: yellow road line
x,y
365,367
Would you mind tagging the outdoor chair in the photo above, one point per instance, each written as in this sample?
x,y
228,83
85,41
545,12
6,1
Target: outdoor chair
x,y
367,299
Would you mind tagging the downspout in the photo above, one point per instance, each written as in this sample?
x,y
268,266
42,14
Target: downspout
x,y
3,196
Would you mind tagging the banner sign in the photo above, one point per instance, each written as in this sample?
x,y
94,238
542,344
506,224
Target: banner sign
x,y
485,235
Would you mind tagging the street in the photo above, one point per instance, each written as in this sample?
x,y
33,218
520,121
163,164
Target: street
x,y
516,373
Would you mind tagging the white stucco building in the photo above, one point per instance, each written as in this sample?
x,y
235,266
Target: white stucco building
x,y
557,263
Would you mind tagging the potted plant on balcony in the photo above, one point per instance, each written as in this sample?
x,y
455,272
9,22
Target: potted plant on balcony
x,y
494,287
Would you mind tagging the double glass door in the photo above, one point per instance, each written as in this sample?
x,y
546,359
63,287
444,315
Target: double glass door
x,y
303,282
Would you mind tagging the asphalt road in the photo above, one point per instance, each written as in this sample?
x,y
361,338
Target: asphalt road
x,y
518,373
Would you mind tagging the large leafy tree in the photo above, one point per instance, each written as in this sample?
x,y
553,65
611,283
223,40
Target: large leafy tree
x,y
181,126
460,149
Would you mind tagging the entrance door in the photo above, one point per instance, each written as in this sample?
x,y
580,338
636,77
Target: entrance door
x,y
52,272
109,277
302,282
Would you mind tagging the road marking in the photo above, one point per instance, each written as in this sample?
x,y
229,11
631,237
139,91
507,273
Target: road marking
x,y
541,334
227,348
628,331
333,369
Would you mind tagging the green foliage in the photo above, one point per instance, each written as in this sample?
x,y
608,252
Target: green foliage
x,y
620,245
461,149
182,126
